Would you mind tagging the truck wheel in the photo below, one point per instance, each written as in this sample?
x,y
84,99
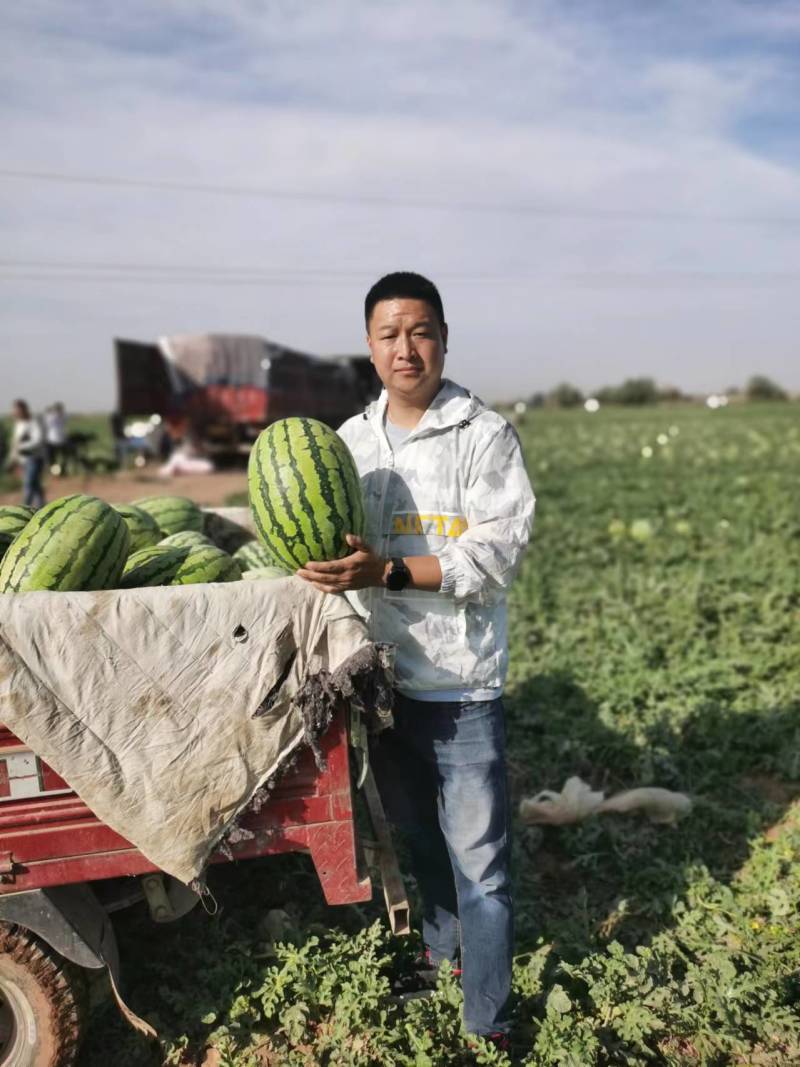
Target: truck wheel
x,y
42,1002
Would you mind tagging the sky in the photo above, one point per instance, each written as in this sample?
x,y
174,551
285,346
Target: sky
x,y
600,188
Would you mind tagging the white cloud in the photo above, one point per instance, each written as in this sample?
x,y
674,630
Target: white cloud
x,y
623,138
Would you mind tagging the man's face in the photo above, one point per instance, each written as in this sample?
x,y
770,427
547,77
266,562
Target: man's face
x,y
407,344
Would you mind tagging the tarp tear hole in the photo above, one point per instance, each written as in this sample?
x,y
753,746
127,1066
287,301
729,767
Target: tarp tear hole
x,y
240,634
274,692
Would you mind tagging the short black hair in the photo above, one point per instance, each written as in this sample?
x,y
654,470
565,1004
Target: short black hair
x,y
404,285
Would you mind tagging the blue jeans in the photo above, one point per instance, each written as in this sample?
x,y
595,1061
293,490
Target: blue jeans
x,y
442,776
32,492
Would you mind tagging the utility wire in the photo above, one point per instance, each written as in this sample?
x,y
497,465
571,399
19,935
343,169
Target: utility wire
x,y
221,270
282,273
506,207
596,279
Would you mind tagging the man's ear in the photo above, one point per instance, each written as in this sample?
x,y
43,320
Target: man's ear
x,y
369,346
444,335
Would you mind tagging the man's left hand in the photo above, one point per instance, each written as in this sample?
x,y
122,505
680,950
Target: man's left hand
x,y
360,570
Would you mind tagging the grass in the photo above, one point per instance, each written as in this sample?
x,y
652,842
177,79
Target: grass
x,y
654,634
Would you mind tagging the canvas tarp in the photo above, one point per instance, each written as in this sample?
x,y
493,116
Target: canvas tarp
x,y
143,699
210,359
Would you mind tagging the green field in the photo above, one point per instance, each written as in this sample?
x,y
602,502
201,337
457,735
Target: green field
x,y
655,636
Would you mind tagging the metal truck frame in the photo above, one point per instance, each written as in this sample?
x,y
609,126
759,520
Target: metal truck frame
x,y
63,872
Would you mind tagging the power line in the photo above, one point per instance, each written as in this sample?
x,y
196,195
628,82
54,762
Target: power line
x,y
119,275
222,269
168,280
284,272
543,211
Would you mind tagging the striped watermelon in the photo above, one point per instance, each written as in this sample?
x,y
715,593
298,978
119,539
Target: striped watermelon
x,y
76,542
13,520
143,528
305,492
187,539
254,555
156,565
207,564
264,574
172,513
225,533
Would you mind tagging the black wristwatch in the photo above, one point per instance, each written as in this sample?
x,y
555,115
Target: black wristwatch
x,y
399,576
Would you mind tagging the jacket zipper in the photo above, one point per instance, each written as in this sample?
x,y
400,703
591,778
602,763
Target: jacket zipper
x,y
384,544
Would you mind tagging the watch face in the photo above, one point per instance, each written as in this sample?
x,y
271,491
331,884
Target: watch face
x,y
398,576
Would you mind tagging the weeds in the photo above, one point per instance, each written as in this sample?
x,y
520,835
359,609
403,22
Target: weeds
x,y
654,631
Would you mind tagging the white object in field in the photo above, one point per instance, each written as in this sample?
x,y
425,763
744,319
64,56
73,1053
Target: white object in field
x,y
591,405
183,462
577,801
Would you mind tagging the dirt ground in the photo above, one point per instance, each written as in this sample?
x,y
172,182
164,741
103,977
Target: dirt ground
x,y
204,489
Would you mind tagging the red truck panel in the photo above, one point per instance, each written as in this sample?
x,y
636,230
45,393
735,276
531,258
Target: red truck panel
x,y
52,838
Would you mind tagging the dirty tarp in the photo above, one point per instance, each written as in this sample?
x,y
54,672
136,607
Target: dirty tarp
x,y
143,699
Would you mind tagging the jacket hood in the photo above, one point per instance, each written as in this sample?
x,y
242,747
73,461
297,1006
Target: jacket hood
x,y
452,405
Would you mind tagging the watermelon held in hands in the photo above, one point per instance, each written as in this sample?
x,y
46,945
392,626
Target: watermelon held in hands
x,y
172,513
255,556
142,527
305,492
73,543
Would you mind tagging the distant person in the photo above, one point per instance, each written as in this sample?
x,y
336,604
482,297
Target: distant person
x,y
166,443
55,432
28,452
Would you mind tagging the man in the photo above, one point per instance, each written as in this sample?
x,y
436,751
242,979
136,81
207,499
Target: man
x,y
55,432
449,513
28,451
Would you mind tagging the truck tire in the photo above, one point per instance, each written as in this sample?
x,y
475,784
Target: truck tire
x,y
42,1002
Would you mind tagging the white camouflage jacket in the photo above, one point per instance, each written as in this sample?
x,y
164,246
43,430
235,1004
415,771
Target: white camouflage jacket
x,y
456,488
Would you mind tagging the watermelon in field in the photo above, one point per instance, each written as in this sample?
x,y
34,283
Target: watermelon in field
x,y
254,555
187,539
207,564
76,542
258,574
142,527
172,513
13,520
156,565
305,493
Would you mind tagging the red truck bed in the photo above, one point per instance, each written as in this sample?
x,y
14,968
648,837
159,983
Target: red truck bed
x,y
49,837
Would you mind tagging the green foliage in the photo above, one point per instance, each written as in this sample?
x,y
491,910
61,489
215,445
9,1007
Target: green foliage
x,y
654,633
566,396
633,392
762,388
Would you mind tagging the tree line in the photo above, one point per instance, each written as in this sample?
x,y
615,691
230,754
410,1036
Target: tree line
x,y
641,391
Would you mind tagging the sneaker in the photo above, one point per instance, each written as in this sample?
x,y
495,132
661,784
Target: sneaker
x,y
428,963
420,981
499,1040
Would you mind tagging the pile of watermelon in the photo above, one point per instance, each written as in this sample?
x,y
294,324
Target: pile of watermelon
x,y
305,496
